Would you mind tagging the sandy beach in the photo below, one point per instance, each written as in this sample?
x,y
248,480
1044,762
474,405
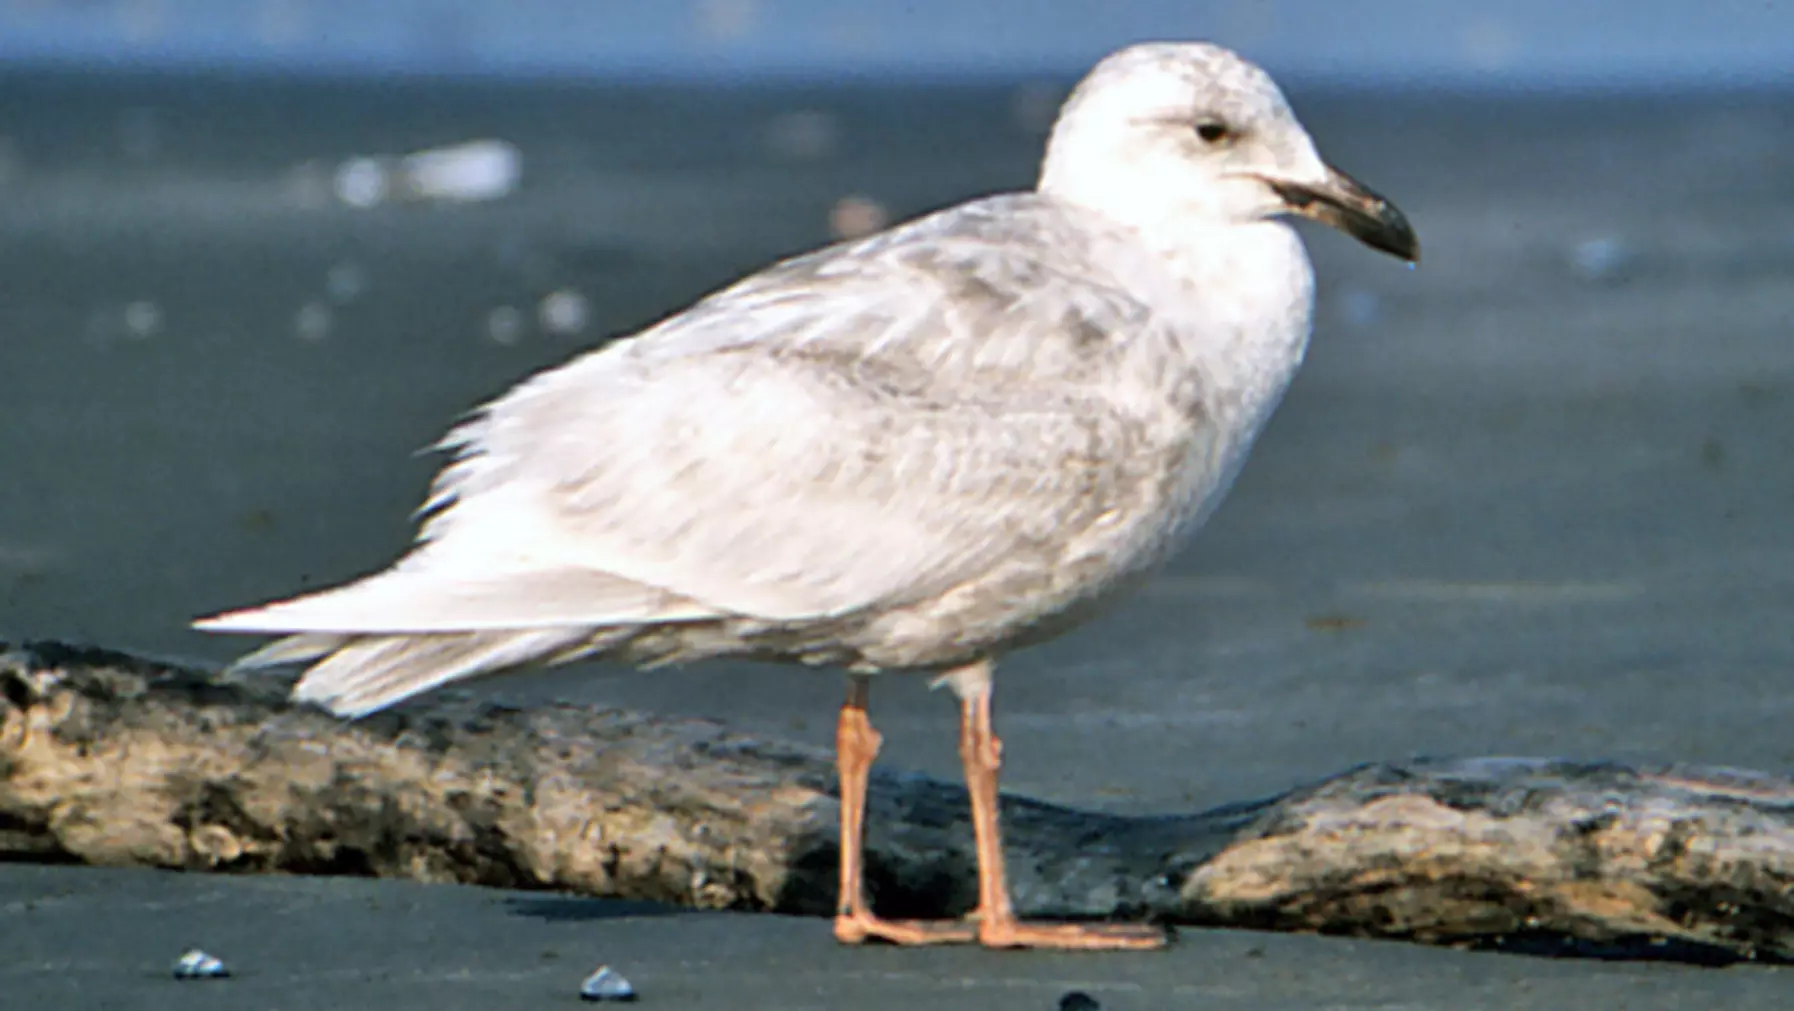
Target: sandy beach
x,y
96,938
1531,498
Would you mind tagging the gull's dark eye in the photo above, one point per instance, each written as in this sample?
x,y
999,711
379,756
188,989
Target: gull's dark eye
x,y
1213,131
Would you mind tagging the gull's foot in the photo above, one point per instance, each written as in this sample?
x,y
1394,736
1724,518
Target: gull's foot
x,y
858,928
1074,936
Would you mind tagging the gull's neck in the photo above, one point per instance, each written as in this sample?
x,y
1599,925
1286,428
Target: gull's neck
x,y
1253,287
1249,290
1235,302
1238,295
1238,298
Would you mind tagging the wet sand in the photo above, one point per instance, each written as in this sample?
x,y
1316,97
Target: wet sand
x,y
101,938
1530,499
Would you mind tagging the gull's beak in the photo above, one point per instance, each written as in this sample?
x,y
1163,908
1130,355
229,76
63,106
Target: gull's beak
x,y
1350,206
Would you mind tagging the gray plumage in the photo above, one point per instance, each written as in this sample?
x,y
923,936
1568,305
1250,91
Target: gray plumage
x,y
910,451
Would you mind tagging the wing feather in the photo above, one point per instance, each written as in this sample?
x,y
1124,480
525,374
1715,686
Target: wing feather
x,y
835,434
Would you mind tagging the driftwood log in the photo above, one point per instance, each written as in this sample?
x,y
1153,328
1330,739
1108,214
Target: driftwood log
x,y
113,759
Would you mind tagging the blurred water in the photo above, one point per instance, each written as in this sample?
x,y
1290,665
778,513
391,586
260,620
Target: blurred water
x,y
215,371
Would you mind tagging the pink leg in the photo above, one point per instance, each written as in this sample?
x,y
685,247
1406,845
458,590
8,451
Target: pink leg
x,y
998,927
856,746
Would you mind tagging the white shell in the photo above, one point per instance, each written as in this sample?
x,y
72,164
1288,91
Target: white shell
x,y
475,171
606,984
196,964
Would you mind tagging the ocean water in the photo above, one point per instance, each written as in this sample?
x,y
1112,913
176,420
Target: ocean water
x,y
1546,475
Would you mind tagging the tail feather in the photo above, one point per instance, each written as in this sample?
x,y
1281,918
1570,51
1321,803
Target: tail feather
x,y
302,648
413,628
369,673
422,599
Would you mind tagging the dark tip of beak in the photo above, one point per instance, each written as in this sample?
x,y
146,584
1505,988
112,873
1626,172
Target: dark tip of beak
x,y
1353,208
1386,229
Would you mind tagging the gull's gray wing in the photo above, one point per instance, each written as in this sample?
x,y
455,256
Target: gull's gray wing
x,y
861,427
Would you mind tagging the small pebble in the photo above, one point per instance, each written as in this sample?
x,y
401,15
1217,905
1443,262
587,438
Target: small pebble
x,y
504,325
1078,1000
143,319
606,984
855,217
312,322
362,182
563,312
197,964
475,171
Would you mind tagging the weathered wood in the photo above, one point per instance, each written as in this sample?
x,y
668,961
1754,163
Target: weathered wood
x,y
113,759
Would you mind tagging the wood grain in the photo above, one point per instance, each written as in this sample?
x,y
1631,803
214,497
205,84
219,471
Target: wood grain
x,y
107,758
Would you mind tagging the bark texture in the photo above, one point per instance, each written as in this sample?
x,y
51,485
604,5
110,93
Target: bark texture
x,y
107,758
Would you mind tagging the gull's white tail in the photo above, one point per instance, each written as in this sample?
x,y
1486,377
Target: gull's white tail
x,y
405,631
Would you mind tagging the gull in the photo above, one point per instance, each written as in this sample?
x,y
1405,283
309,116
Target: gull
x,y
919,451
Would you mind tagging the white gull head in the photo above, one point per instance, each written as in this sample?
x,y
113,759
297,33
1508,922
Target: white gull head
x,y
1191,136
